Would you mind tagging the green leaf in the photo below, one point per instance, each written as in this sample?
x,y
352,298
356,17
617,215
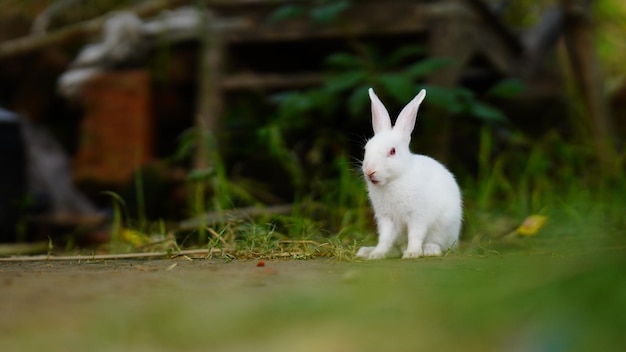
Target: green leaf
x,y
358,101
464,94
344,81
197,175
328,13
398,85
507,88
404,53
343,60
461,100
285,12
271,136
284,97
291,103
487,112
321,100
186,145
371,57
447,99
427,66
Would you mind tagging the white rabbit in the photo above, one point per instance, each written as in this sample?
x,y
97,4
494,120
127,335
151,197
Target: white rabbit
x,y
416,200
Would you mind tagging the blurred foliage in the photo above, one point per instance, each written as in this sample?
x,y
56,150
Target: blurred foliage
x,y
342,101
516,176
523,13
391,76
610,24
610,29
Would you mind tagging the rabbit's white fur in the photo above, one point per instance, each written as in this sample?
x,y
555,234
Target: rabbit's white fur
x,y
416,200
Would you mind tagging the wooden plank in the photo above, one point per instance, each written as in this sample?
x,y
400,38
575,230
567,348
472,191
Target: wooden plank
x,y
364,18
73,33
271,81
164,254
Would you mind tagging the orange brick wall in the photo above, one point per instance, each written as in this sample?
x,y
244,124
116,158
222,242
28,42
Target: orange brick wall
x,y
116,130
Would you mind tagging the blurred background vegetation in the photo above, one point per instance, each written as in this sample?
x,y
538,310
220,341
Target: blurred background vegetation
x,y
516,146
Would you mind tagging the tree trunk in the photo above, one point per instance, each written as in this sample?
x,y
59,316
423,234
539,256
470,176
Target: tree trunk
x,y
579,40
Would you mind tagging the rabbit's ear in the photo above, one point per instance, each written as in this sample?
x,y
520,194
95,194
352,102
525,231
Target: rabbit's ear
x,y
380,116
406,119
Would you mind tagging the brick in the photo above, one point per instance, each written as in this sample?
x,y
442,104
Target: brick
x,y
116,130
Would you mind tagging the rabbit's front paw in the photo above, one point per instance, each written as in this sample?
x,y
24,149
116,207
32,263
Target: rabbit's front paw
x,y
364,252
412,253
432,250
375,254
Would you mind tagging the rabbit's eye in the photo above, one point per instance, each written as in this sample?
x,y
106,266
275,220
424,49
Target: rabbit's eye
x,y
392,151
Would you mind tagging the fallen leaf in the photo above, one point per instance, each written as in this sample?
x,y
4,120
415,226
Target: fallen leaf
x,y
531,225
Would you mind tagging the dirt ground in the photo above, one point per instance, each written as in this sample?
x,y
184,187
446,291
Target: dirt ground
x,y
544,300
62,300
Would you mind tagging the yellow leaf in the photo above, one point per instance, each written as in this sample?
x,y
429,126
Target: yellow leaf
x,y
531,225
135,238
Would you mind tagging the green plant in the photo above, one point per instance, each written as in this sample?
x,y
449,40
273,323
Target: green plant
x,y
209,189
319,11
120,212
398,75
140,199
551,177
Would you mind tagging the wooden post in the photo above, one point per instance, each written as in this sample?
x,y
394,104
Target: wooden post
x,y
208,110
579,40
208,104
450,38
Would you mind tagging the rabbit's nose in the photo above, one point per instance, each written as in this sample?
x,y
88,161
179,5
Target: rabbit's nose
x,y
371,175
